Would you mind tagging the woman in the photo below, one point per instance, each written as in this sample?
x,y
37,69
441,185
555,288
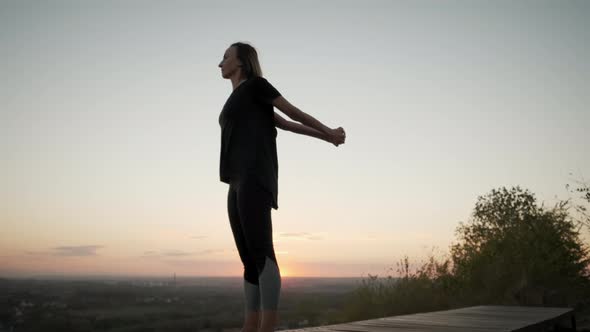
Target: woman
x,y
249,165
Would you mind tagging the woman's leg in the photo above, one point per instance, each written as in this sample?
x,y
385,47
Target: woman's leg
x,y
254,209
251,285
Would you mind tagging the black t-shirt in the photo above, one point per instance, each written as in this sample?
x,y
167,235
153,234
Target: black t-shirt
x,y
248,135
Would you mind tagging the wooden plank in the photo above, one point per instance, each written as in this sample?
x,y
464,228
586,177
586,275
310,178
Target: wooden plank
x,y
528,318
426,326
473,319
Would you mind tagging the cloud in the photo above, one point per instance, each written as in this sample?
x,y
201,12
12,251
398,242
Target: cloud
x,y
176,253
210,251
71,251
76,250
180,258
301,236
179,253
37,255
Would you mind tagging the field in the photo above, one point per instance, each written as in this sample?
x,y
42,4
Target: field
x,y
160,304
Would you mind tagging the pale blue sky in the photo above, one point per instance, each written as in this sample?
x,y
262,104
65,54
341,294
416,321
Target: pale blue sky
x,y
108,120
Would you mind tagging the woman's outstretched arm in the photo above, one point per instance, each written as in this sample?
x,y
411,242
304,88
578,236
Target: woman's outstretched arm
x,y
331,135
298,128
297,115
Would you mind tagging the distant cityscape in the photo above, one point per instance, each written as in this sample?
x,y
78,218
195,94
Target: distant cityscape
x,y
92,303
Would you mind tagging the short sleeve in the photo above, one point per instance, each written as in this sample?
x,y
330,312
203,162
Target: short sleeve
x,y
265,92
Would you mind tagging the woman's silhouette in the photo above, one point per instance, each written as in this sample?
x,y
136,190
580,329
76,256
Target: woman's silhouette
x,y
249,165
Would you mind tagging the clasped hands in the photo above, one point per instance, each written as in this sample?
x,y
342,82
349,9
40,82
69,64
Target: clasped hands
x,y
337,136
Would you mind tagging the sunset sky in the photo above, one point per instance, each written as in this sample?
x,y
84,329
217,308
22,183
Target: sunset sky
x,y
110,140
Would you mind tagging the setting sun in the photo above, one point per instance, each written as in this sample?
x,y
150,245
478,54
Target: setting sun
x,y
286,271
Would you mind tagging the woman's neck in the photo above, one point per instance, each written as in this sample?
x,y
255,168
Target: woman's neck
x,y
238,83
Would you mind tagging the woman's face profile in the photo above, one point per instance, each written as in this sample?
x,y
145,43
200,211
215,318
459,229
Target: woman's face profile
x,y
230,63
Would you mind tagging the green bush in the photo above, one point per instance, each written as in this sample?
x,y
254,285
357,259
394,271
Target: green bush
x,y
510,252
514,252
428,288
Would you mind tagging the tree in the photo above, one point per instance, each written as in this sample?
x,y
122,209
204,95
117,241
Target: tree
x,y
511,251
582,200
515,252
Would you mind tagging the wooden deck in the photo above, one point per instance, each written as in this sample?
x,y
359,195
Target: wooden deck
x,y
473,319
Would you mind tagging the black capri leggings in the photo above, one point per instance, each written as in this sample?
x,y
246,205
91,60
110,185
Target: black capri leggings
x,y
249,210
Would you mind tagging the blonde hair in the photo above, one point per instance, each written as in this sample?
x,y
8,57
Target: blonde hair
x,y
249,58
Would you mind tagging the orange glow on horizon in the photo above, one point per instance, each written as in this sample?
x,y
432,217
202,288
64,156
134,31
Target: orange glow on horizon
x,y
286,271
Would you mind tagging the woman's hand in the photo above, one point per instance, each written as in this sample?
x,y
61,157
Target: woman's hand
x,y
337,136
